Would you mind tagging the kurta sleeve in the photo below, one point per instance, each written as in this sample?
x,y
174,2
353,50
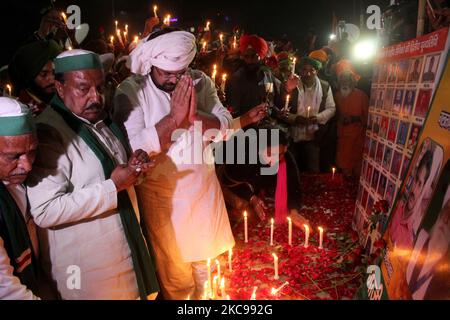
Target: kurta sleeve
x,y
128,113
53,202
10,286
330,109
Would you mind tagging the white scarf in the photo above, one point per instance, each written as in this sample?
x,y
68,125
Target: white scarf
x,y
316,101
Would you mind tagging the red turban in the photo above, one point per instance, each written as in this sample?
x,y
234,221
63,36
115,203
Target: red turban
x,y
257,43
346,66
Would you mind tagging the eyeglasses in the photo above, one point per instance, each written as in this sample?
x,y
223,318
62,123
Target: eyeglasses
x,y
168,74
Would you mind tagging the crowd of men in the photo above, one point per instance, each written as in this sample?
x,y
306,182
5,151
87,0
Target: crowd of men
x,y
90,176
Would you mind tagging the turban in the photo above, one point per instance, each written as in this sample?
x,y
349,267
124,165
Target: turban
x,y
74,60
29,60
319,55
15,118
255,42
312,62
171,51
346,66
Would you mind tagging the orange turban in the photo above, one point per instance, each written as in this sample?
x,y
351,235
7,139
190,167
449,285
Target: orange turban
x,y
257,43
345,65
320,55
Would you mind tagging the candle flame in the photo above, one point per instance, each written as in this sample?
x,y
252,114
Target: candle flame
x,y
70,48
222,283
334,169
253,297
208,262
306,227
111,38
217,262
136,39
320,229
224,77
272,221
289,219
64,17
245,214
275,257
126,28
228,297
188,297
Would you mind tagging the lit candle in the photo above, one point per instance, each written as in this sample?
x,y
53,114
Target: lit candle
x,y
126,28
253,297
111,39
204,46
125,36
116,23
69,48
154,11
188,297
205,290
309,109
9,87
214,73
214,290
230,255
271,231
293,65
275,266
228,297
334,171
306,235
207,25
168,20
119,36
289,231
221,40
208,265
320,237
245,227
218,268
286,105
234,42
275,291
64,17
224,81
136,39
222,288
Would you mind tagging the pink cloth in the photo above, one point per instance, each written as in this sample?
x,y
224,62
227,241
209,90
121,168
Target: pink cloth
x,y
281,194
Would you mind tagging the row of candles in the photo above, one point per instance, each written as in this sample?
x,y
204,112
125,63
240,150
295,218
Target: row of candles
x,y
214,75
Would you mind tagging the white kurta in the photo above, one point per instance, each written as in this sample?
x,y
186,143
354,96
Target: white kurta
x,y
76,210
181,202
10,286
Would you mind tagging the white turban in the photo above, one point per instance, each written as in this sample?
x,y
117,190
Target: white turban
x,y
172,51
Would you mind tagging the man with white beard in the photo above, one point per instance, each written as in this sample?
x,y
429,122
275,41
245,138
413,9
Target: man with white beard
x,y
183,207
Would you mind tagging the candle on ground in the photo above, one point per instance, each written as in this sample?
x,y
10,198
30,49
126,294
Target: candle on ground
x,y
320,237
214,290
306,235
271,231
289,231
253,297
222,288
245,227
275,266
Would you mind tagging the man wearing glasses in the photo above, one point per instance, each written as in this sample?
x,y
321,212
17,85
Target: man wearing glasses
x,y
182,202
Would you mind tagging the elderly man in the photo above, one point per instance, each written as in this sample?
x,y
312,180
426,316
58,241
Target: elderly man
x,y
183,206
18,240
32,74
253,83
81,192
311,109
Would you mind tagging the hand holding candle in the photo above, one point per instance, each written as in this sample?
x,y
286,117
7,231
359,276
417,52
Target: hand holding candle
x,y
306,235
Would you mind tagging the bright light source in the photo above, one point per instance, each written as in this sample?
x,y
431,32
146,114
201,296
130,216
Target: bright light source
x,y
332,36
364,50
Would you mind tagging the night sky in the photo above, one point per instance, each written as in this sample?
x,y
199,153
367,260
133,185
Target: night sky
x,y
270,19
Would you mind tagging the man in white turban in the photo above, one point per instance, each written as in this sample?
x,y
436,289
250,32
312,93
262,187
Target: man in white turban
x,y
183,206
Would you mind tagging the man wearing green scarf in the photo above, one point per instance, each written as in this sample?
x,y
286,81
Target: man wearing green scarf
x,y
18,240
81,192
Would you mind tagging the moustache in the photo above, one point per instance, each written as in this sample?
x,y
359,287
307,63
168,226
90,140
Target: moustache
x,y
94,107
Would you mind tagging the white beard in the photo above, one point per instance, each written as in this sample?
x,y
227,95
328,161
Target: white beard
x,y
345,92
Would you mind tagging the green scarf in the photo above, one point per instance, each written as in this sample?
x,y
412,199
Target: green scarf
x,y
14,232
142,260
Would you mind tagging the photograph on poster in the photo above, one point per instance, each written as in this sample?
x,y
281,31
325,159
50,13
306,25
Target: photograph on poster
x,y
367,143
375,177
405,166
384,127
402,133
429,71
376,74
376,124
396,163
392,72
428,269
369,173
423,103
382,185
416,197
380,99
364,198
388,99
370,204
413,136
392,130
383,71
373,98
373,149
408,104
379,154
398,100
402,71
387,158
415,69
390,193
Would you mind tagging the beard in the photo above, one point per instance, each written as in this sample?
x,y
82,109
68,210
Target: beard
x,y
45,94
345,91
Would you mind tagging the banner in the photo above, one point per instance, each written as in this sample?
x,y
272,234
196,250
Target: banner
x,y
404,80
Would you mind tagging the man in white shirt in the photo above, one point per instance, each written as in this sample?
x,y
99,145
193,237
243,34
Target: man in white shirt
x,y
18,239
312,107
183,206
81,192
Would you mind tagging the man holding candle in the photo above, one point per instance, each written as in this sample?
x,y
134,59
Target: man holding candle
x,y
308,93
184,210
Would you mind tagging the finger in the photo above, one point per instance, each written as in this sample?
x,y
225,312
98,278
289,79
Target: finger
x,y
193,104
